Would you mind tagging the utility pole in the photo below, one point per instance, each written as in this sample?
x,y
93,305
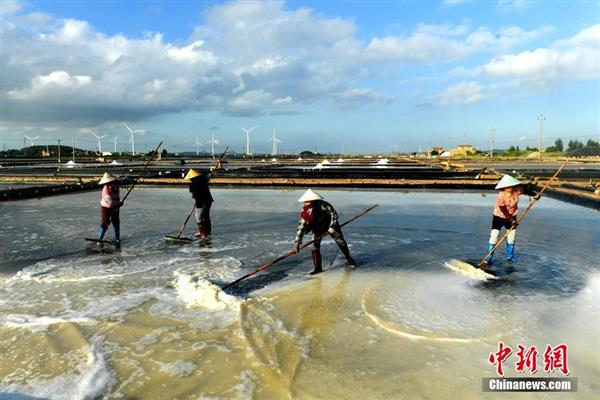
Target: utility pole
x,y
492,132
197,147
59,152
541,118
73,147
212,144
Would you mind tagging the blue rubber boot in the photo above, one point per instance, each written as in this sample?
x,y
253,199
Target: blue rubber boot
x,y
490,258
101,233
510,253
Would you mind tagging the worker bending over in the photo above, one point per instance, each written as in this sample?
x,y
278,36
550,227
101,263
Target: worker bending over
x,y
318,216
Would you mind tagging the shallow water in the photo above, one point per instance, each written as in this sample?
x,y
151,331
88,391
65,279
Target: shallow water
x,y
82,321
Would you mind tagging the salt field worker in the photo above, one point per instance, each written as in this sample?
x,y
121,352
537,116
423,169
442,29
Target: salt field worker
x,y
201,194
110,205
505,215
318,216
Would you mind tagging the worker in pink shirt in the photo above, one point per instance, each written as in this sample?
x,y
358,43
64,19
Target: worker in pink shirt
x,y
505,215
110,205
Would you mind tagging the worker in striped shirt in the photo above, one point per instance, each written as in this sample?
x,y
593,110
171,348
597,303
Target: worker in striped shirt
x,y
319,217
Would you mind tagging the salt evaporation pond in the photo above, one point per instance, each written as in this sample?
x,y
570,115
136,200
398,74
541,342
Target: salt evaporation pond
x,y
77,321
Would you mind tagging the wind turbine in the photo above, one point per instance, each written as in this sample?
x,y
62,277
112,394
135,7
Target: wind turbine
x,y
115,140
99,141
275,141
198,144
248,138
31,139
132,137
213,140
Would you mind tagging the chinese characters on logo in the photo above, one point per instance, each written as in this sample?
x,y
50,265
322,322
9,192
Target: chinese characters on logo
x,y
555,358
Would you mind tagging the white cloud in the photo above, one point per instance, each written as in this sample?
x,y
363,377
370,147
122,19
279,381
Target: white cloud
x,y
9,7
462,93
445,43
248,58
455,2
50,84
513,5
575,58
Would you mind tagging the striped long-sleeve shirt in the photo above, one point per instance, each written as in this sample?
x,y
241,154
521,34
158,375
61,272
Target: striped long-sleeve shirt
x,y
324,217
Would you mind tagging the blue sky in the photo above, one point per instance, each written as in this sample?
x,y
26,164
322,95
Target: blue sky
x,y
368,76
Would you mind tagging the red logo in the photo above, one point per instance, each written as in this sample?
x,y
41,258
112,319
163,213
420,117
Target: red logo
x,y
554,358
499,357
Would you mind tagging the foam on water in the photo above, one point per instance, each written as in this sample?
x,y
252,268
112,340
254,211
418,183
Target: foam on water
x,y
196,291
431,307
36,324
468,270
179,368
90,379
96,308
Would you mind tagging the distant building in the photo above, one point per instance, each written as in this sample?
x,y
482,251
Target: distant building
x,y
435,151
463,150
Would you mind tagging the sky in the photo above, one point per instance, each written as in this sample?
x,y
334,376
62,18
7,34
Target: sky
x,y
362,76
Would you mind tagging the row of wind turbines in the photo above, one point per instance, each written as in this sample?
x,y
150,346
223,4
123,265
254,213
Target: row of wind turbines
x,y
273,139
213,141
115,139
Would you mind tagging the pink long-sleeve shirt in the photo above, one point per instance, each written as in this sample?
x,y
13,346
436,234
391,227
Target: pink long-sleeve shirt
x,y
110,197
507,205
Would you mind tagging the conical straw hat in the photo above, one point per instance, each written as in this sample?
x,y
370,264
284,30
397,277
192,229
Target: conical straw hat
x,y
106,178
192,173
309,195
507,181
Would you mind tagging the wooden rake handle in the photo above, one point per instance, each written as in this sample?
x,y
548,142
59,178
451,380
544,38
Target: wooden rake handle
x,y
291,253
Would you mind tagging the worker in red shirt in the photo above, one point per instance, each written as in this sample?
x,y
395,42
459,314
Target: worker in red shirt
x,y
505,215
318,216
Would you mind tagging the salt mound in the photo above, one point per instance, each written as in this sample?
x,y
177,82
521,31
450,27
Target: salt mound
x,y
195,291
468,270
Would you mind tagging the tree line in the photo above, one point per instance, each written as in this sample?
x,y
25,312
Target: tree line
x,y
574,148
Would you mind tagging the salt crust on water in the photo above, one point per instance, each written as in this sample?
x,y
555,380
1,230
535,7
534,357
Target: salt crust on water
x,y
92,378
195,291
97,309
179,368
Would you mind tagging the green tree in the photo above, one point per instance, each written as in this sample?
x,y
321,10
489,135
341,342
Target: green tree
x,y
592,143
558,144
574,145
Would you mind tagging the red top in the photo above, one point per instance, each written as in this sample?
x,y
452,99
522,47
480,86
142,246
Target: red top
x,y
307,213
507,205
110,196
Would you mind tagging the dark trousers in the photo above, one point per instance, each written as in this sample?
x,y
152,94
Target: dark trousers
x,y
110,215
338,236
202,215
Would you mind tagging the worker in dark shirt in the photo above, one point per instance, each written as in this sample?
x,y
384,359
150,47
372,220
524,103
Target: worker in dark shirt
x,y
318,216
201,194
